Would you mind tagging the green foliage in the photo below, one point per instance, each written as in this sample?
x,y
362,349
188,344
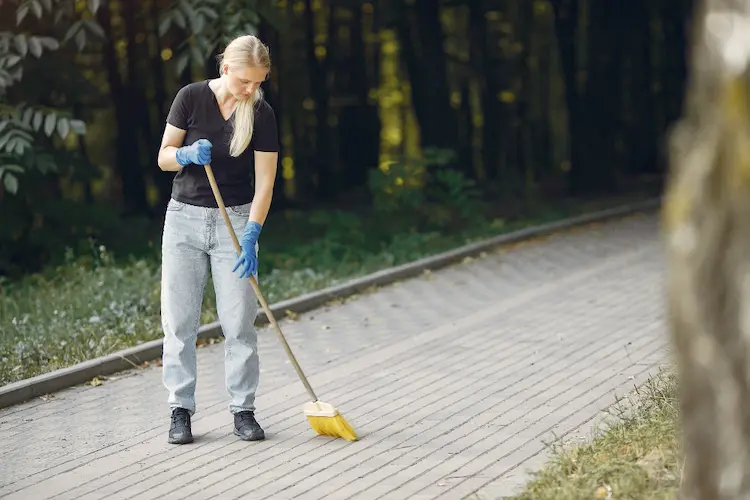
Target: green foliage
x,y
430,187
87,307
31,135
212,24
37,230
392,191
455,189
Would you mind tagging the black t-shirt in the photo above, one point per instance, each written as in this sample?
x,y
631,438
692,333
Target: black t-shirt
x,y
196,110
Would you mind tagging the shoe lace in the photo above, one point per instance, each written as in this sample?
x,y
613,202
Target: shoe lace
x,y
247,418
179,417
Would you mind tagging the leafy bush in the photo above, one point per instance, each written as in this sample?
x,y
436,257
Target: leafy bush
x,y
429,189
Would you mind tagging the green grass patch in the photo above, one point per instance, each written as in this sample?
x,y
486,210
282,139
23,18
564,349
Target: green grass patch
x,y
92,305
635,457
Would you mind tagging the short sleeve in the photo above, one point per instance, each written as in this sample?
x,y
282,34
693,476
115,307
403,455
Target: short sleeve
x,y
180,109
265,130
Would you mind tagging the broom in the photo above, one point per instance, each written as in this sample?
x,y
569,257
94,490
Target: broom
x,y
324,418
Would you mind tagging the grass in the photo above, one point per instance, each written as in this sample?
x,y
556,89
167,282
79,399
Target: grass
x,y
94,305
636,456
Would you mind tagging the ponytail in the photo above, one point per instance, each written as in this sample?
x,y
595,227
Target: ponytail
x,y
244,119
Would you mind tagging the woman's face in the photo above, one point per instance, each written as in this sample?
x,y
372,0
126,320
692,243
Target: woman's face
x,y
242,82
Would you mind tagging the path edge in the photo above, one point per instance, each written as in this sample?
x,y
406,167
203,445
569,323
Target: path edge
x,y
47,383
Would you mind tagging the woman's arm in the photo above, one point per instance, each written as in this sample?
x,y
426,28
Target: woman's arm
x,y
174,131
265,176
170,142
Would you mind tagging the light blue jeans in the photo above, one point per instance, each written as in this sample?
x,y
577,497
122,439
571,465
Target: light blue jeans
x,y
195,238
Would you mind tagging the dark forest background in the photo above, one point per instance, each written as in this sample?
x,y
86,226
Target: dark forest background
x,y
430,114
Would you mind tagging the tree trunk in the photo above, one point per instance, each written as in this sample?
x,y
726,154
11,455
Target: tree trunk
x,y
595,119
674,66
157,66
299,143
421,44
163,180
270,36
466,134
566,24
543,136
127,153
638,109
325,180
139,105
524,124
493,138
706,214
360,124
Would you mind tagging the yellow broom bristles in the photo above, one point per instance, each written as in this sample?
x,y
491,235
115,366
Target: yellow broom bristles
x,y
325,419
332,426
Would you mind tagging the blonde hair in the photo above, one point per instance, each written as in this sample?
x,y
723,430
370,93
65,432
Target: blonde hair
x,y
244,51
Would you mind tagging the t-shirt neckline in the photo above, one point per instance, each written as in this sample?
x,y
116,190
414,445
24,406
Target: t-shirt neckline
x,y
217,108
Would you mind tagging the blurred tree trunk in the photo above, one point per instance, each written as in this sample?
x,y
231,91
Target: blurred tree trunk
x,y
566,25
294,86
157,66
359,124
421,42
270,36
466,131
321,161
138,104
127,155
162,180
594,114
493,138
500,65
674,63
639,125
597,168
706,218
524,123
543,130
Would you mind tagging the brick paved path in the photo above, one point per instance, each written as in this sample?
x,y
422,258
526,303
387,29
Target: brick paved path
x,y
454,382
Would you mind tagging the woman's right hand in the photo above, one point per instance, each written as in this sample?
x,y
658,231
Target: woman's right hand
x,y
198,153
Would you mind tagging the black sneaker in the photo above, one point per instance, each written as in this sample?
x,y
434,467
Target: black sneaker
x,y
179,431
247,428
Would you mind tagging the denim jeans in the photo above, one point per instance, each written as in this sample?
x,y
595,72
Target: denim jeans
x,y
194,239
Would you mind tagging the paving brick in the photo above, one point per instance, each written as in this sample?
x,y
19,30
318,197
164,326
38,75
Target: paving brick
x,y
454,381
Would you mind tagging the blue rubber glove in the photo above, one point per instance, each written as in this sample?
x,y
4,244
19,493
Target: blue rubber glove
x,y
248,259
198,153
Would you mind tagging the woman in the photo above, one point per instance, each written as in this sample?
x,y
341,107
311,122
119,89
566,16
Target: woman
x,y
219,122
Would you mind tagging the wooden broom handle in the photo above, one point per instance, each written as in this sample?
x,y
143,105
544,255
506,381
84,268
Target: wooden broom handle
x,y
254,283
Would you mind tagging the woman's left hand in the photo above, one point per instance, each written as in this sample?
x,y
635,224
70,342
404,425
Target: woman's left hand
x,y
248,259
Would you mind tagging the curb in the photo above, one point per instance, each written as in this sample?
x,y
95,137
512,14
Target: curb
x,y
24,390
